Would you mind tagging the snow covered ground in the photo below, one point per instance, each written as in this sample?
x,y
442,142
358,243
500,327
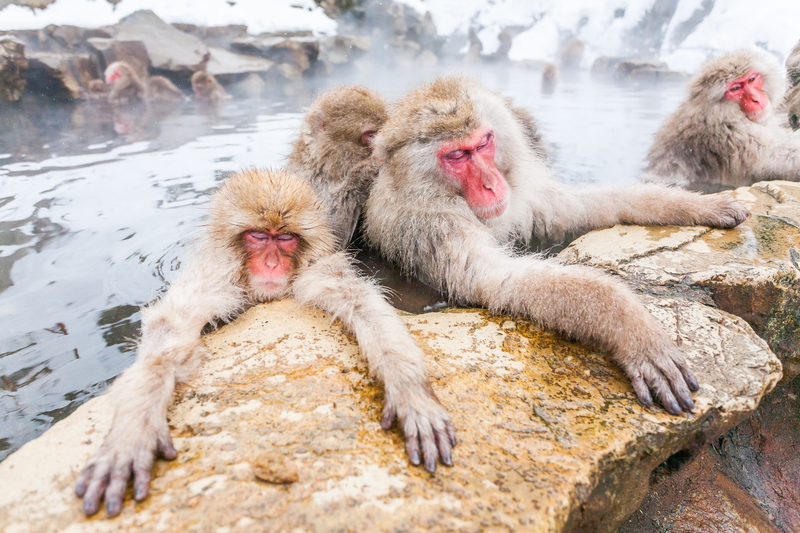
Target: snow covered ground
x,y
695,31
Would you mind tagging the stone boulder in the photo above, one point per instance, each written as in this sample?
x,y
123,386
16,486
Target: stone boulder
x,y
228,66
215,36
108,51
752,271
550,435
168,48
340,50
13,69
634,67
300,52
60,76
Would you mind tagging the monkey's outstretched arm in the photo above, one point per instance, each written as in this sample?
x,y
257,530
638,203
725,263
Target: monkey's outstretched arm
x,y
580,210
333,285
583,303
167,353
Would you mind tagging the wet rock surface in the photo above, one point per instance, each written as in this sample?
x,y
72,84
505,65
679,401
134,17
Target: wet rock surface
x,y
550,435
13,68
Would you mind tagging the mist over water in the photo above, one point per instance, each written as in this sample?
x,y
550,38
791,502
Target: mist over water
x,y
97,209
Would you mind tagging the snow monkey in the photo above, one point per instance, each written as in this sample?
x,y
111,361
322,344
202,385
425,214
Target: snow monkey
x,y
207,89
267,238
126,87
334,152
460,185
549,78
725,132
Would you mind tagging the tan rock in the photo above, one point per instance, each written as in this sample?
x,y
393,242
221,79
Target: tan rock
x,y
550,435
750,271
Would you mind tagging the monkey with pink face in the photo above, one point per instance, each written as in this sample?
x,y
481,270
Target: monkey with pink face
x,y
726,132
461,185
268,237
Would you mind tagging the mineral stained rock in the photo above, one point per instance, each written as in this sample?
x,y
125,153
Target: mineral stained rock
x,y
550,435
13,69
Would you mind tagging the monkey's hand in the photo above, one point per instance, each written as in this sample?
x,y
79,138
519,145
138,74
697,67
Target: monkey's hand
x,y
722,211
425,423
661,368
128,451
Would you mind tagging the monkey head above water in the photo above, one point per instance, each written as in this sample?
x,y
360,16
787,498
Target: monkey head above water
x,y
725,133
333,152
267,238
461,184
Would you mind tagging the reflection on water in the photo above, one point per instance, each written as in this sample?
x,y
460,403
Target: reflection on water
x,y
98,205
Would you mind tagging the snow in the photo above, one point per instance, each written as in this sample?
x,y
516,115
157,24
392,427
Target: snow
x,y
259,15
545,25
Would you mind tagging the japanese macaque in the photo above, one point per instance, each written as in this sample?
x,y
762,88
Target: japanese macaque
x,y
461,187
793,66
160,89
125,86
334,152
207,89
530,129
267,238
549,78
792,101
724,133
572,54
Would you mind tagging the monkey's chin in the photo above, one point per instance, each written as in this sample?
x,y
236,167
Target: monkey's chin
x,y
496,210
760,115
265,291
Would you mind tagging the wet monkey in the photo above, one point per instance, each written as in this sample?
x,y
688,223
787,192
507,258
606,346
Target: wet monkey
x,y
126,87
461,184
725,132
333,152
207,89
549,78
266,238
160,89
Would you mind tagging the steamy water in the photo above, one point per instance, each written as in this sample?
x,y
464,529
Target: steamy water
x,y
97,209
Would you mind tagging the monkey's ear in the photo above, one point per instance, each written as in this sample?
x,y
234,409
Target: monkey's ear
x,y
319,122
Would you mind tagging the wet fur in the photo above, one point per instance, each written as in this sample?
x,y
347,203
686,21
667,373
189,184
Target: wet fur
x,y
419,220
215,286
709,140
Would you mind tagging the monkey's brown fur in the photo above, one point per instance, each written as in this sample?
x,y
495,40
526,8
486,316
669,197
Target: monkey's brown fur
x,y
708,140
793,66
128,89
214,285
161,89
330,152
417,216
207,89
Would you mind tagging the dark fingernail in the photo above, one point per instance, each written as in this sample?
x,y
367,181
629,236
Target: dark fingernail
x,y
694,386
140,493
430,465
113,508
672,407
647,402
80,490
90,507
447,459
414,458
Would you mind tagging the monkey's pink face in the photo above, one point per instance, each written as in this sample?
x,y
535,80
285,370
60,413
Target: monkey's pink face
x,y
470,163
113,76
270,259
748,93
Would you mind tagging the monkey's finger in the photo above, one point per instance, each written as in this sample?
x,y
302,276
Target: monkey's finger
x,y
642,390
83,481
117,485
166,449
412,447
663,393
676,382
430,452
91,500
443,442
451,433
688,376
388,417
142,469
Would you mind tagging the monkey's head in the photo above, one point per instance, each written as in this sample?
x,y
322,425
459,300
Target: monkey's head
x,y
202,83
274,224
119,70
342,122
736,85
448,131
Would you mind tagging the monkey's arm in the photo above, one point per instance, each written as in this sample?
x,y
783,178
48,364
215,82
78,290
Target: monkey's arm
x,y
167,353
333,285
581,302
576,211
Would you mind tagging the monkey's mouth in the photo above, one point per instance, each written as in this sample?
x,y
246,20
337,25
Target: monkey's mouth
x,y
756,115
491,211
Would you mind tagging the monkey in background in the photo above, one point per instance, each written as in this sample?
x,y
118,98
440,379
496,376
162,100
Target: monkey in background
x,y
460,185
333,152
725,133
207,89
267,238
793,66
549,78
126,87
792,98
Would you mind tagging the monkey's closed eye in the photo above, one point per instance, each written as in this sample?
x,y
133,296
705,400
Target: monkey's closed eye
x,y
457,155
